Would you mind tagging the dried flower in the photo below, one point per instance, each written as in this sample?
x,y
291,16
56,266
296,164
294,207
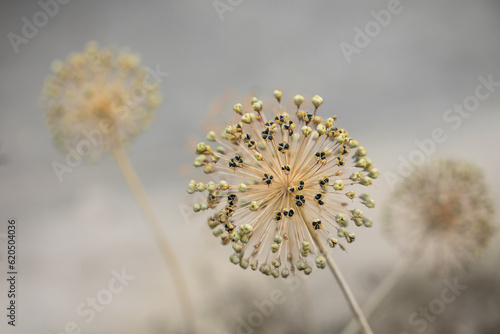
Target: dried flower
x,y
443,212
101,95
280,175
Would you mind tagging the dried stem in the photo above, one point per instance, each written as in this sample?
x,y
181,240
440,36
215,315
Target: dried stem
x,y
381,292
353,304
166,250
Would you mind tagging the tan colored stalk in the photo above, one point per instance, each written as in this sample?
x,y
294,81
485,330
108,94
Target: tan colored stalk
x,y
353,304
380,293
159,235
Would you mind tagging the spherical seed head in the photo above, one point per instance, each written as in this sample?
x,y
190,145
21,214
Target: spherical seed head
x,y
100,95
288,182
443,212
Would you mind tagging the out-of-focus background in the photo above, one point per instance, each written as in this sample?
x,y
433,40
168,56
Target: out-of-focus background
x,y
390,89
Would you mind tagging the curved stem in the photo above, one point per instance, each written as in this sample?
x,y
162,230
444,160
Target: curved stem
x,y
380,293
353,304
166,250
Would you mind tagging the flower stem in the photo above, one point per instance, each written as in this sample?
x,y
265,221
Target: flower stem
x,y
353,304
156,230
381,292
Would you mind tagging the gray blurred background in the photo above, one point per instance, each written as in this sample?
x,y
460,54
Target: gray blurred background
x,y
73,234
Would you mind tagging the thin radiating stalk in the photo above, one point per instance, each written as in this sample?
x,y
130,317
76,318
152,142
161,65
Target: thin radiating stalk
x,y
380,293
353,304
166,250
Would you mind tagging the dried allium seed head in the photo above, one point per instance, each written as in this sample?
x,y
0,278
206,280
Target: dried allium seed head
x,y
99,95
443,212
283,181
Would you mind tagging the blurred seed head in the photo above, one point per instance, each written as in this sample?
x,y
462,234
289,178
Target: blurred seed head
x,y
275,175
444,212
100,93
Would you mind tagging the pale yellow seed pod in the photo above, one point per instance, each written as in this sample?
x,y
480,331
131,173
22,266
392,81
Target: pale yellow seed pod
x,y
341,138
361,151
257,106
277,95
201,148
298,99
361,163
242,187
317,101
200,186
373,173
329,123
246,118
353,143
365,181
244,263
203,205
235,236
275,273
237,248
211,136
235,259
320,262
217,232
370,203
285,273
332,242
208,169
357,213
196,207
197,162
321,129
254,206
350,237
254,265
340,219
275,247
338,185
356,176
308,270
211,186
238,108
301,265
191,189
258,156
306,130
351,194
223,185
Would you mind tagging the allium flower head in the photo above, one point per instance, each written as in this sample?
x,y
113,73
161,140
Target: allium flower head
x,y
442,211
100,93
279,178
